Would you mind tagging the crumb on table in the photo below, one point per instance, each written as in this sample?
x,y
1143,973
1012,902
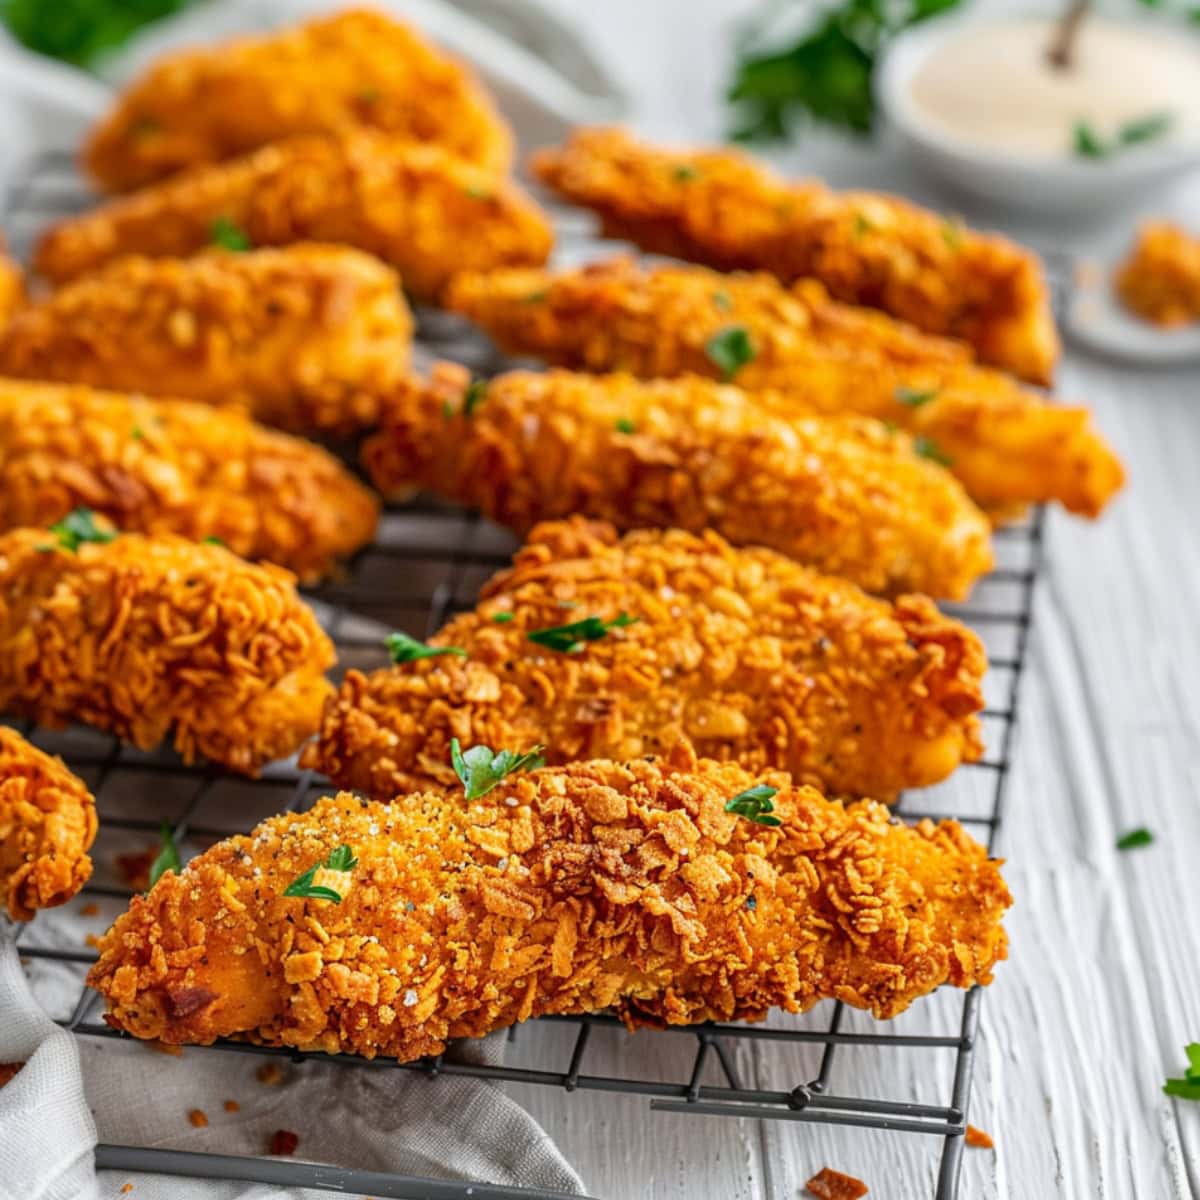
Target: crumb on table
x,y
976,1137
90,909
269,1073
198,1118
232,1106
8,1070
283,1142
828,1184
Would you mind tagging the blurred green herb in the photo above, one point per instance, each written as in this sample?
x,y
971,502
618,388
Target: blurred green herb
x,y
224,233
1135,839
340,859
1089,144
1187,1088
730,349
77,527
915,397
480,769
755,804
403,648
167,858
926,447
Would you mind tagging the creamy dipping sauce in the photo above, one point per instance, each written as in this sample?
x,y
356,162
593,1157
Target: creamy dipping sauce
x,y
993,86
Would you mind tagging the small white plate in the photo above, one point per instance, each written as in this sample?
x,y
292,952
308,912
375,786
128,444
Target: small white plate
x,y
1097,320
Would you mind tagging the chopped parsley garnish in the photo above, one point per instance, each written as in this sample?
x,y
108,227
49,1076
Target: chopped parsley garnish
x,y
861,226
78,527
213,540
915,397
167,858
473,396
369,95
625,425
730,349
567,639
404,649
480,770
503,618
342,859
755,804
927,448
722,300
952,233
224,233
137,433
1144,129
476,191
1187,1088
1134,839
534,297
447,410
685,172
1089,144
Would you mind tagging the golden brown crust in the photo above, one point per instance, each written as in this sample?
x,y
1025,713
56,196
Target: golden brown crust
x,y
145,637
564,890
1005,442
47,826
750,656
721,208
169,466
842,494
1160,280
306,337
358,67
416,206
12,286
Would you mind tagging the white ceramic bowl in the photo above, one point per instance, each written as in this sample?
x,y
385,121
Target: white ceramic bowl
x,y
1003,179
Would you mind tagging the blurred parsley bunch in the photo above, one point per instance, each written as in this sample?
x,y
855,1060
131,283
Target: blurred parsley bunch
x,y
79,31
825,73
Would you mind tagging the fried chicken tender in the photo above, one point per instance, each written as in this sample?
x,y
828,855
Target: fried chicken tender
x,y
329,75
1160,280
307,337
1007,444
721,208
842,494
47,827
564,890
416,206
170,466
150,636
747,654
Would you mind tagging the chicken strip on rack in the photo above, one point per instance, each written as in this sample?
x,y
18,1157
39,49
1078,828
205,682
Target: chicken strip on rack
x,y
146,637
721,208
417,207
599,648
170,466
359,67
565,890
842,494
306,337
47,827
1007,444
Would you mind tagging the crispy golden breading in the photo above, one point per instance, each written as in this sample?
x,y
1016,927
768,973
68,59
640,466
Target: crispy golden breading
x,y
145,637
47,827
722,208
415,206
1005,442
1160,280
307,337
170,466
748,655
564,890
842,494
334,73
12,286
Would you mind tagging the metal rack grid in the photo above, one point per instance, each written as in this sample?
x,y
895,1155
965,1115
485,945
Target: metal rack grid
x,y
442,554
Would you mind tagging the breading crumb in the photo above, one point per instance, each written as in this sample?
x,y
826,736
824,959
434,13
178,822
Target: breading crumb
x,y
270,1074
828,1184
8,1070
198,1118
977,1138
89,910
283,1142
232,1106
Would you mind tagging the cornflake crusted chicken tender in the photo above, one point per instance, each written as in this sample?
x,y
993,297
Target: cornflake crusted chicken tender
x,y
1005,442
744,652
841,494
1160,280
566,890
334,73
306,337
169,466
721,208
47,826
417,207
150,636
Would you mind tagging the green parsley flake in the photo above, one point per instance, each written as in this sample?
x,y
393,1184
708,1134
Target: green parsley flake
x,y
404,649
568,639
78,527
625,425
915,397
534,297
1187,1088
952,232
213,540
167,858
480,770
730,349
1088,143
685,173
1134,839
722,300
755,804
861,226
503,618
474,396
137,433
1144,129
342,859
224,233
926,447
477,191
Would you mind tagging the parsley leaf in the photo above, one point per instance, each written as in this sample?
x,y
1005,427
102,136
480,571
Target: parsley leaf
x,y
474,396
730,349
567,639
480,770
684,173
1134,839
167,858
1088,143
404,649
213,540
1144,129
926,447
1187,1088
503,618
224,233
722,300
476,191
861,226
137,433
625,425
340,859
78,527
755,804
914,397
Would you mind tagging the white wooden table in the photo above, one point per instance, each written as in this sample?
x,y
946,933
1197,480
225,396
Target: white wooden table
x,y
1102,988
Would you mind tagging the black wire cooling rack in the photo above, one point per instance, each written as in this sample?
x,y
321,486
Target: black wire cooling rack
x,y
428,562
